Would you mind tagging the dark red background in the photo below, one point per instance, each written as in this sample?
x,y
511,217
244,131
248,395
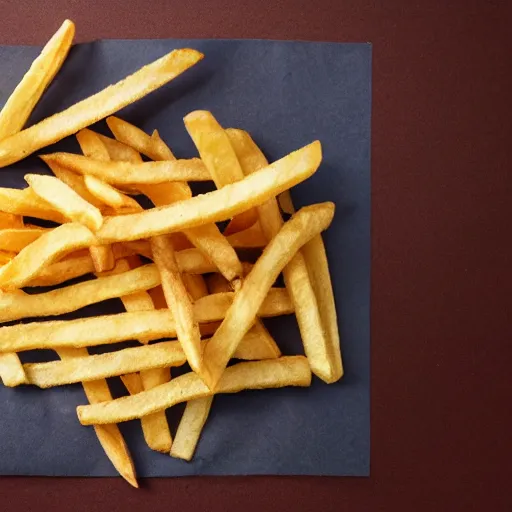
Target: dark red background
x,y
441,278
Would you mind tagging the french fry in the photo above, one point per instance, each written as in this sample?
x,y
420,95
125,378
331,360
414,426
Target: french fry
x,y
14,306
16,239
153,147
190,427
273,373
102,257
65,200
285,202
195,285
109,195
43,251
6,257
27,202
109,436
216,152
305,224
217,205
126,173
306,276
98,106
11,370
154,427
178,300
92,146
111,364
88,332
119,152
25,97
10,221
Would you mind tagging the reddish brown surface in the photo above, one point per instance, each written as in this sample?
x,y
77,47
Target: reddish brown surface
x,y
442,190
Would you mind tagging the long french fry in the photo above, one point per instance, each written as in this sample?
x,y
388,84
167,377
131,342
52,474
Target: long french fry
x,y
25,97
88,332
111,364
125,173
178,300
249,238
10,220
27,202
219,204
14,306
65,200
109,436
190,427
98,106
306,223
306,276
273,373
43,251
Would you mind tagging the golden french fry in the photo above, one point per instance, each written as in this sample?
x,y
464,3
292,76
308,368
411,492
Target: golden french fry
x,y
119,152
111,364
178,300
6,257
190,427
14,306
151,146
11,370
273,373
194,261
65,200
309,285
109,436
98,106
127,173
305,224
109,195
217,205
285,202
132,383
25,97
251,237
217,154
27,202
10,221
16,239
318,267
92,146
43,251
88,332
258,342
62,271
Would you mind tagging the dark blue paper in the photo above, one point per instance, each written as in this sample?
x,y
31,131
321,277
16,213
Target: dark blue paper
x,y
286,94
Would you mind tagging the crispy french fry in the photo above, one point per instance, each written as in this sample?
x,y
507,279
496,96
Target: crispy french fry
x,y
151,146
305,224
111,364
195,285
25,97
27,202
251,237
178,300
16,239
285,202
273,373
88,332
218,205
109,436
6,257
10,221
43,251
119,152
190,427
11,370
102,257
14,306
132,383
306,276
126,173
318,267
109,195
65,200
98,106
216,152
92,146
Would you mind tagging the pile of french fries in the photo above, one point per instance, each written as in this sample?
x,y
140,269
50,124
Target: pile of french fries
x,y
179,277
